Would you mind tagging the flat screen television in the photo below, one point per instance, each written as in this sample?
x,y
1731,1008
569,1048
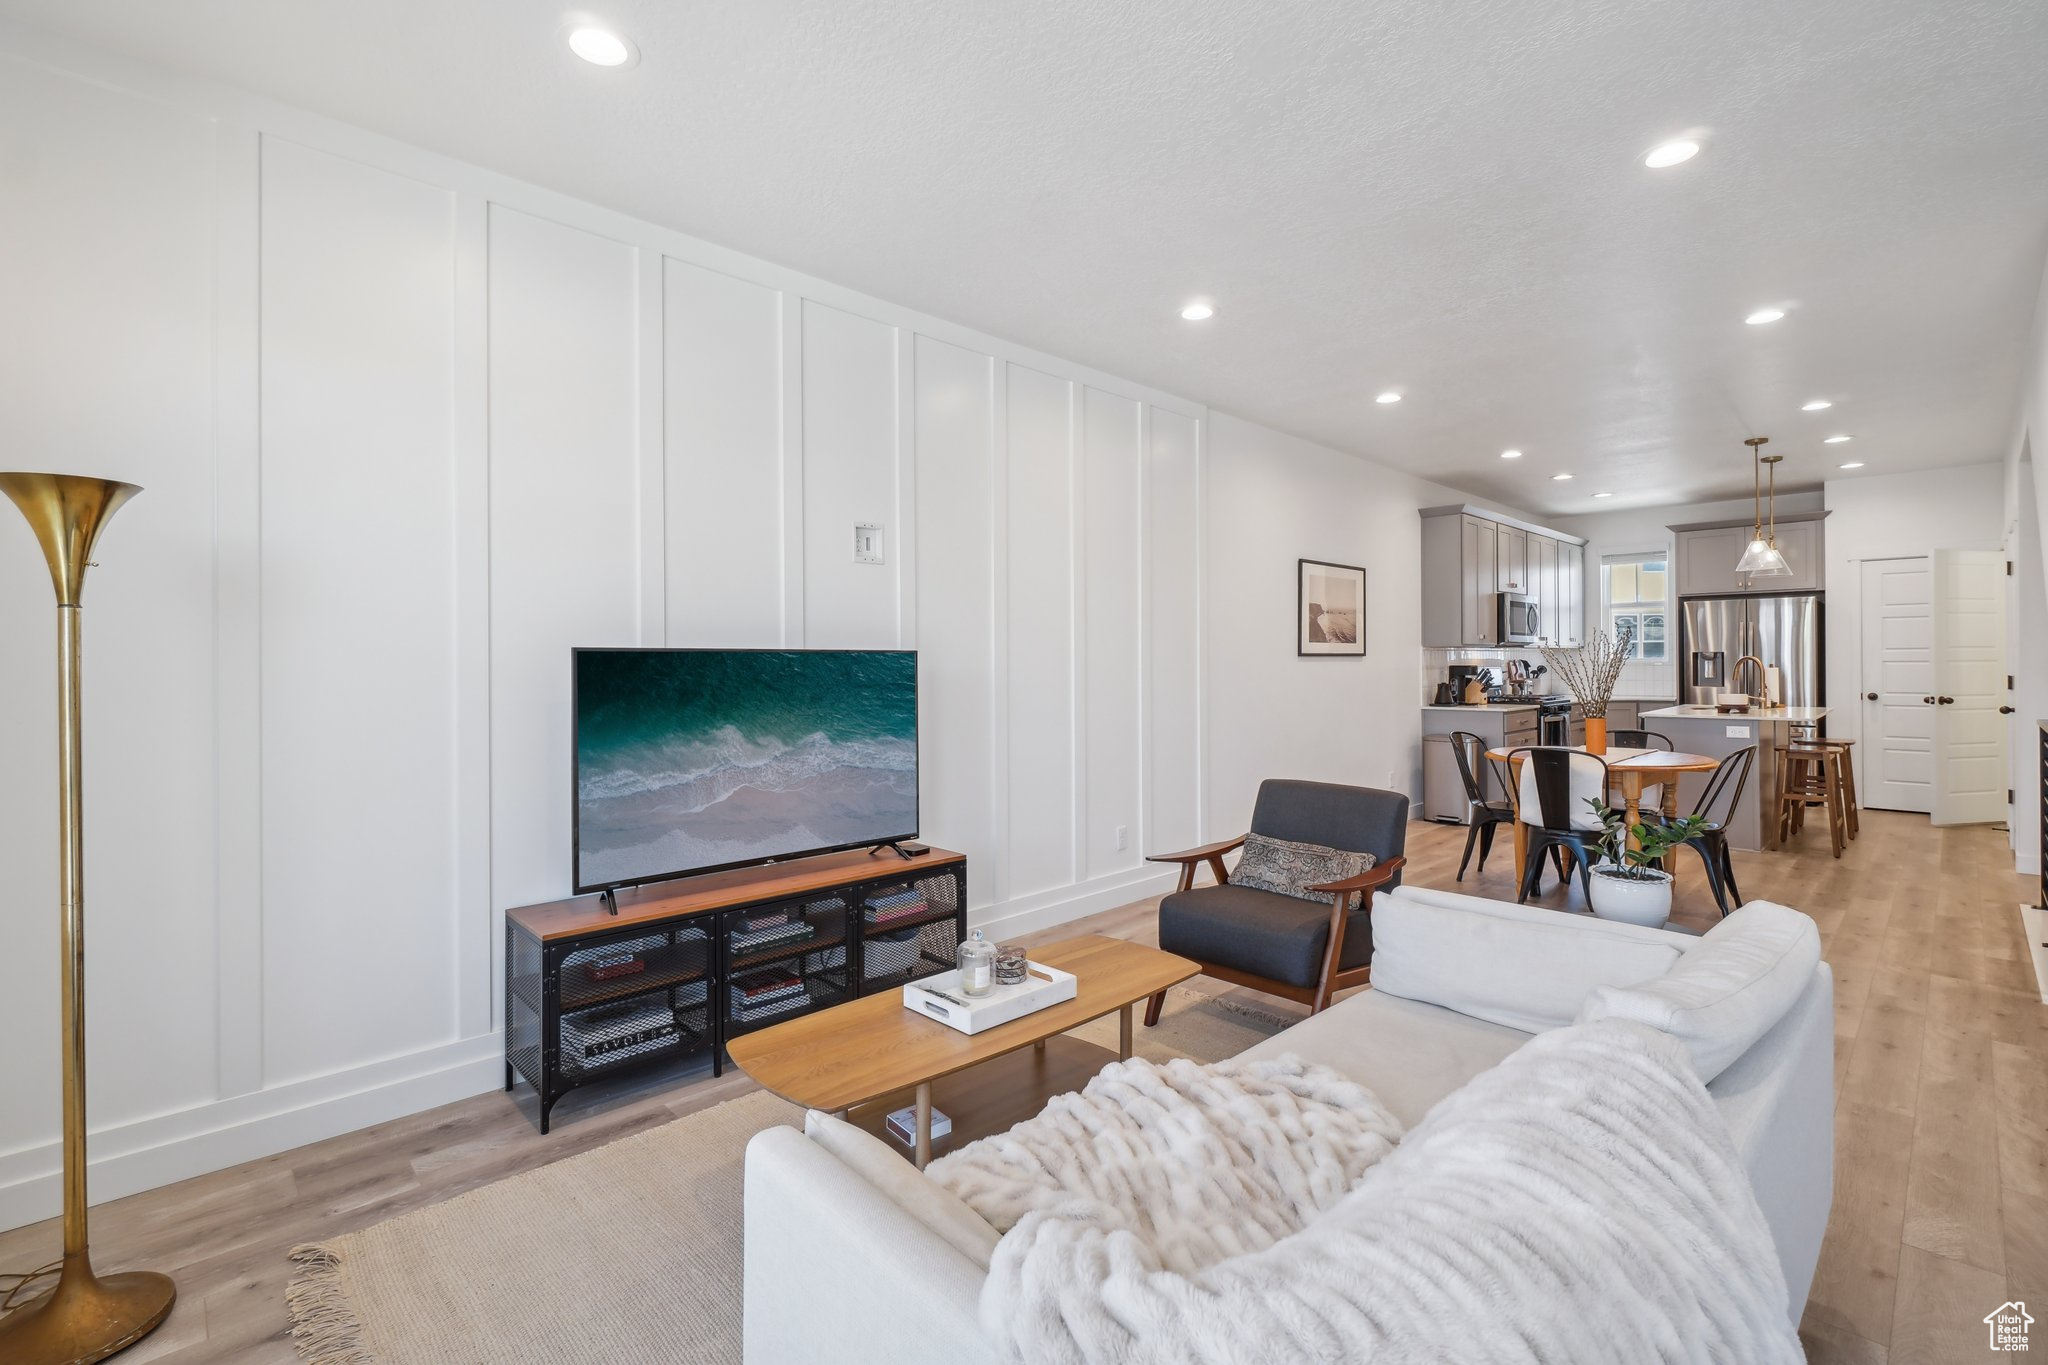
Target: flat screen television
x,y
693,760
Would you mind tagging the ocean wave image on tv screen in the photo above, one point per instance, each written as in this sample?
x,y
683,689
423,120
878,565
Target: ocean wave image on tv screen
x,y
687,760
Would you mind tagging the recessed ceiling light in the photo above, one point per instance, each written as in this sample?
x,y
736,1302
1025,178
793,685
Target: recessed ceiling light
x,y
600,47
1853,464
1511,454
1817,405
1764,315
1199,312
1834,440
1671,153
1559,478
1388,397
1603,495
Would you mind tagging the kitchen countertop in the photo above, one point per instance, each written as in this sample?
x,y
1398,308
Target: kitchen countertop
x,y
1486,706
1791,715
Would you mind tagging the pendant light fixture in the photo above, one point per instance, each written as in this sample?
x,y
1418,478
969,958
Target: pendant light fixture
x,y
1761,559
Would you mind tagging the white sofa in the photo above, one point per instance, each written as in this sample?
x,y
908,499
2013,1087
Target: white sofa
x,y
853,1258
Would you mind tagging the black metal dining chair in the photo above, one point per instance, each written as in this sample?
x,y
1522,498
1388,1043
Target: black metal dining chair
x,y
1553,790
1717,806
1482,815
1639,739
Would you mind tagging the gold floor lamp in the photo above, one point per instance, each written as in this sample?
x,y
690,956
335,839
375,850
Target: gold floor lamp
x,y
86,1317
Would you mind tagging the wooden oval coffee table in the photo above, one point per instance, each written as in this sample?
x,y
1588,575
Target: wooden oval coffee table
x,y
868,1056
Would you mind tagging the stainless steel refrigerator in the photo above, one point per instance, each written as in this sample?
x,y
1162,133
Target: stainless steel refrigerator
x,y
1785,632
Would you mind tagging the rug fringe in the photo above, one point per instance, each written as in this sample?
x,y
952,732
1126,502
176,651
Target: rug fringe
x,y
1252,1012
325,1328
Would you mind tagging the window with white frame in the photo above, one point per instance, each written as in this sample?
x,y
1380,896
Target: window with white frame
x,y
1635,589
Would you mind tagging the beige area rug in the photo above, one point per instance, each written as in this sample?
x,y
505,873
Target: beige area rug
x,y
627,1252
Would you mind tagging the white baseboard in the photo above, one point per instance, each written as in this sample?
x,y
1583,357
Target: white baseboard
x,y
146,1153
2034,924
163,1148
2026,862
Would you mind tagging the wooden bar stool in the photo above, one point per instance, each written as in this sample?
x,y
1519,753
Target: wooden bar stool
x,y
1811,776
1845,751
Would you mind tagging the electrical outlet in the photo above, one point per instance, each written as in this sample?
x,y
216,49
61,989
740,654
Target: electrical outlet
x,y
1123,837
867,543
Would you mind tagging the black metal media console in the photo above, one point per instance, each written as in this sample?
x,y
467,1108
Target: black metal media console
x,y
680,968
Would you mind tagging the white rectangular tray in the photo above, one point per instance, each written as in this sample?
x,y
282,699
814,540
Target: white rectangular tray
x,y
938,997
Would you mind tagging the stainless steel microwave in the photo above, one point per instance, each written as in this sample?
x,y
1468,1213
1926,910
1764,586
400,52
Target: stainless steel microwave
x,y
1519,620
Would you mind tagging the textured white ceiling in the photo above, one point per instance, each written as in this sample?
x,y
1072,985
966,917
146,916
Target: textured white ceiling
x,y
1439,196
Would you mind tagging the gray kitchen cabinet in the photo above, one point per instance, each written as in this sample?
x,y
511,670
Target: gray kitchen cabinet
x,y
1707,553
1706,560
1543,586
1478,547
1800,542
1470,555
1498,727
1513,563
1571,565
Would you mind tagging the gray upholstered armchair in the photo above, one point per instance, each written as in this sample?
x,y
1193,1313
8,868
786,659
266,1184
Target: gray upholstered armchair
x,y
1284,945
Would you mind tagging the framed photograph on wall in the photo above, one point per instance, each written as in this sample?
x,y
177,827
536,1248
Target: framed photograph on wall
x,y
1330,610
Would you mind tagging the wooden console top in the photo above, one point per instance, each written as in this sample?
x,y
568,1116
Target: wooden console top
x,y
581,915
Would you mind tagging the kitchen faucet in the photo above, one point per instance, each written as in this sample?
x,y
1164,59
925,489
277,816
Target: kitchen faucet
x,y
1763,677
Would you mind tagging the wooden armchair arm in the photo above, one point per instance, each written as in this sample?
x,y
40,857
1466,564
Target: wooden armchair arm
x,y
1212,854
1197,855
1376,875
1379,874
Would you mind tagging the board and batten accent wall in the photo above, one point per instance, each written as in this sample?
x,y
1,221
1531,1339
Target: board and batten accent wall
x,y
408,432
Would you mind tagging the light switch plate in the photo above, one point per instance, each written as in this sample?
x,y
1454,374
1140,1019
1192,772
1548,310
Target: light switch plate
x,y
867,543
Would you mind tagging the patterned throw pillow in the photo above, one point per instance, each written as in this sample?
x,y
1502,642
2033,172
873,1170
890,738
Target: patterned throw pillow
x,y
1290,868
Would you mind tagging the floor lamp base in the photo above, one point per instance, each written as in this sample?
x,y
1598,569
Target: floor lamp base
x,y
86,1317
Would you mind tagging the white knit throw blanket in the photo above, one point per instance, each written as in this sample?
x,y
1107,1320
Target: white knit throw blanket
x,y
1580,1203
1181,1165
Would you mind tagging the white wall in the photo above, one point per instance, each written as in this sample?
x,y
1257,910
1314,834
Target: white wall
x,y
2025,519
1893,516
1269,501
410,431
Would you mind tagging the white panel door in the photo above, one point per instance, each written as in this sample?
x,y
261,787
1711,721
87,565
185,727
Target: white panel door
x,y
359,621
1969,679
1896,765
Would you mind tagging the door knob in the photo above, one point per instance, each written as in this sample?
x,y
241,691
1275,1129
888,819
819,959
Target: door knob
x,y
1927,701
2007,710
1870,696
1946,701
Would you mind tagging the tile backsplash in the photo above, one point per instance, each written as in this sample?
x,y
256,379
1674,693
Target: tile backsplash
x,y
1638,681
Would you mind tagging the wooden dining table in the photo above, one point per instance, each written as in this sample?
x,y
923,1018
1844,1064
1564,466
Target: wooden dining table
x,y
1634,770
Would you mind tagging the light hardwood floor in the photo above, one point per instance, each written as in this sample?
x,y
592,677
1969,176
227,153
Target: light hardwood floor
x,y
1941,1192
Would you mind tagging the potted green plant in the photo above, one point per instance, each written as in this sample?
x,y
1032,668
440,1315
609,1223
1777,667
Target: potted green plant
x,y
1627,883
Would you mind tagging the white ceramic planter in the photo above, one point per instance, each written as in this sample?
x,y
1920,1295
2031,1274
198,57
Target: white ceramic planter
x,y
1632,901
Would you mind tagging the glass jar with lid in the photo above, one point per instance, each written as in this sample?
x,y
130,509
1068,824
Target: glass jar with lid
x,y
977,965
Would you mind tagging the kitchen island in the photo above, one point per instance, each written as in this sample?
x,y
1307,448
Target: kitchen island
x,y
1703,730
